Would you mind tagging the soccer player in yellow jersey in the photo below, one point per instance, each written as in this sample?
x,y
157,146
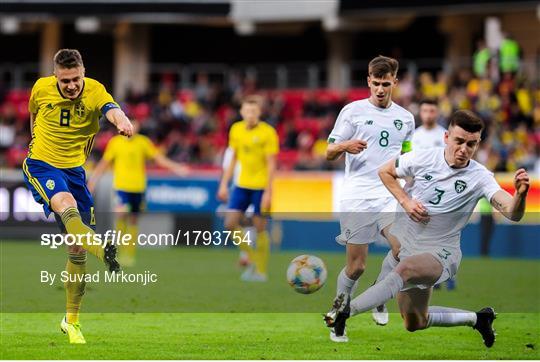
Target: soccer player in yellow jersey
x,y
255,145
64,114
128,158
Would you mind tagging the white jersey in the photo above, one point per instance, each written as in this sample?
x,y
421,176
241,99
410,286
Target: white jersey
x,y
449,195
385,130
428,138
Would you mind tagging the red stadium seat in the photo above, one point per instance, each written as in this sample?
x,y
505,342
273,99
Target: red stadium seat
x,y
327,95
287,159
355,94
294,102
311,125
140,111
185,95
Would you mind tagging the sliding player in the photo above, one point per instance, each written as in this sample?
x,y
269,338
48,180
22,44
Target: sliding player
x,y
437,205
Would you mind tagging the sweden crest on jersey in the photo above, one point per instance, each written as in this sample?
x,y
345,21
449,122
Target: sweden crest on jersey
x,y
80,109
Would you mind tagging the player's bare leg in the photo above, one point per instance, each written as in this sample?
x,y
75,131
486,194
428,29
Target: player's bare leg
x,y
420,269
413,306
394,243
356,261
418,315
75,288
416,269
64,204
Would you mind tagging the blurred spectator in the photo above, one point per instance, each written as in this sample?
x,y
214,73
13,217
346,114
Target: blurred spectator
x,y
509,55
191,125
481,59
290,136
202,88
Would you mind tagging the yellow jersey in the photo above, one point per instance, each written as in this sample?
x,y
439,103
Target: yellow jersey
x,y
63,131
252,146
128,156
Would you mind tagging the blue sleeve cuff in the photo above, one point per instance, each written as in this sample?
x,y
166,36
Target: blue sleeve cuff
x,y
107,107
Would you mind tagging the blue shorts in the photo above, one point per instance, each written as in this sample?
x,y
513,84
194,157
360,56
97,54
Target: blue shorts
x,y
133,200
241,199
45,181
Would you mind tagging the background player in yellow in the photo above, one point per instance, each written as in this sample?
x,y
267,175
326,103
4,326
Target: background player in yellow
x,y
128,158
65,109
255,145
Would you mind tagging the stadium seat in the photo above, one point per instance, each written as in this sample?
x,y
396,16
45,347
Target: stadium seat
x,y
287,159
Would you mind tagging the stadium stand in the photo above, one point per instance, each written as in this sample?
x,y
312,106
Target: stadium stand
x,y
191,125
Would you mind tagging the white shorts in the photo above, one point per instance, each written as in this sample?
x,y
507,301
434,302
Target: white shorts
x,y
362,221
449,257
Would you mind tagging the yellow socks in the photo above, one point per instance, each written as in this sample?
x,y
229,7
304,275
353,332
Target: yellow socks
x,y
75,286
74,225
263,252
121,224
127,252
259,256
246,247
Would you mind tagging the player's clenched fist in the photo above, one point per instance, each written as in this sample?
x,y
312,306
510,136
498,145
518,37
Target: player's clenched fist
x,y
125,128
117,117
416,211
521,181
223,193
355,146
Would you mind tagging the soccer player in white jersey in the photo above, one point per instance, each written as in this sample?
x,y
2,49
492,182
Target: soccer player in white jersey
x,y
446,185
430,134
369,132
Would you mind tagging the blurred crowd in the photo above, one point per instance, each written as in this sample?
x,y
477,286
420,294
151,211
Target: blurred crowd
x,y
191,125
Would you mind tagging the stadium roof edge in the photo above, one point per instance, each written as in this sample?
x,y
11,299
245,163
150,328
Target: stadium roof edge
x,y
148,2
430,7
60,8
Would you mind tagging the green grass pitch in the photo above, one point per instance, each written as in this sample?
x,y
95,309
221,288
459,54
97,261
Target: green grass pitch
x,y
200,310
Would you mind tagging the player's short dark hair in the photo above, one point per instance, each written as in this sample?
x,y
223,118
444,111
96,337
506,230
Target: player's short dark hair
x,y
429,101
68,58
381,65
253,99
467,120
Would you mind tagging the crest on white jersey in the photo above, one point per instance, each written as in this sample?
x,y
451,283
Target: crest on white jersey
x,y
460,186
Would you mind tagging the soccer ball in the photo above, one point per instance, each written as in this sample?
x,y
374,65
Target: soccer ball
x,y
306,274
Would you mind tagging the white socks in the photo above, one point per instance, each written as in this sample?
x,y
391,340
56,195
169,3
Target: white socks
x,y
388,264
348,286
345,284
449,317
378,294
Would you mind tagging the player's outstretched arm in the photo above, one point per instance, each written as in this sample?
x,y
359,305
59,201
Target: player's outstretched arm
x,y
177,168
335,150
117,117
417,212
513,207
223,191
101,167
